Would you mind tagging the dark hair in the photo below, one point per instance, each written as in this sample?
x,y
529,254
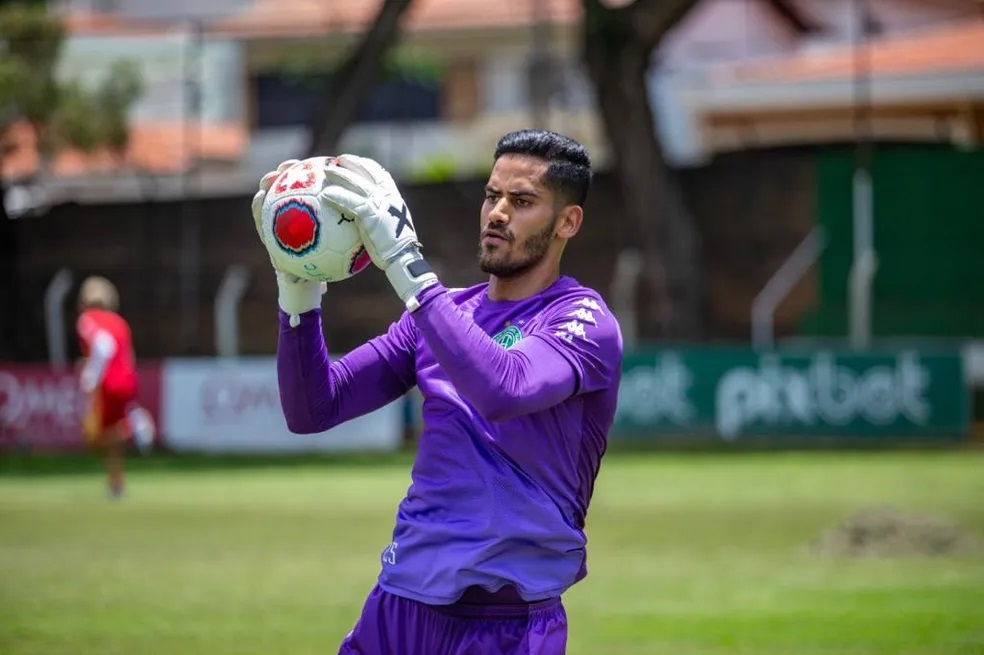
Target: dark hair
x,y
569,172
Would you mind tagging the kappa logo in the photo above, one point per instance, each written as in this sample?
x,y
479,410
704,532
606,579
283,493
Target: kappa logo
x,y
508,337
571,330
589,303
585,315
575,328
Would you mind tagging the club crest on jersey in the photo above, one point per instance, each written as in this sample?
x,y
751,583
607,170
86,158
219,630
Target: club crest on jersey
x,y
360,260
508,337
295,226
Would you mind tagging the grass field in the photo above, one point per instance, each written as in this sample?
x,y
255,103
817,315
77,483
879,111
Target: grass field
x,y
688,554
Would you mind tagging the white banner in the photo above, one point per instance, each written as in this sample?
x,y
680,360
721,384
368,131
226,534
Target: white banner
x,y
215,406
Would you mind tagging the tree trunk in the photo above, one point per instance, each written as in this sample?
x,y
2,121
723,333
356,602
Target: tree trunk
x,y
355,78
618,46
8,279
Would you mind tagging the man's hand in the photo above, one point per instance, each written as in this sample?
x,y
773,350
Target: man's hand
x,y
294,295
360,187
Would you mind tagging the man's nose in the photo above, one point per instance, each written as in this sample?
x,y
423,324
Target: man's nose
x,y
499,213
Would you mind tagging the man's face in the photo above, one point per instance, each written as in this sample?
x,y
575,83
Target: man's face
x,y
518,217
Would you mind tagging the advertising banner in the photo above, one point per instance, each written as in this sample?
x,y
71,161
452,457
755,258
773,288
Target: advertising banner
x,y
41,407
218,406
735,394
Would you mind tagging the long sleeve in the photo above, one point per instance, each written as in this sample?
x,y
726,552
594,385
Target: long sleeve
x,y
317,394
102,347
564,356
99,346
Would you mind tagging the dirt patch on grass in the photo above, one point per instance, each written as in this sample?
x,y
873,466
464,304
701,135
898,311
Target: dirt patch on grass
x,y
890,532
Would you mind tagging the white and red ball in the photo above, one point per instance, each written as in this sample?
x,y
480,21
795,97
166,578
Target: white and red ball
x,y
304,236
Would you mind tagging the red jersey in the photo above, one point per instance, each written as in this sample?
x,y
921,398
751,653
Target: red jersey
x,y
120,373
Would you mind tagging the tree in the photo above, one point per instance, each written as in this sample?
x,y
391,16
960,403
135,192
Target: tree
x,y
356,77
62,114
618,45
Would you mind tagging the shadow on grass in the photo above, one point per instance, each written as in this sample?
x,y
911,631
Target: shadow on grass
x,y
39,464
36,464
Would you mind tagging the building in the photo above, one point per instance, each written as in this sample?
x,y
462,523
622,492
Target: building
x,y
233,84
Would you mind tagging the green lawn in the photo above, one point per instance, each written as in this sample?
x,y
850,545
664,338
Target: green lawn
x,y
688,554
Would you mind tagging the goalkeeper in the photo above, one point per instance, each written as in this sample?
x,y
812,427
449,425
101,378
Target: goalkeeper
x,y
519,377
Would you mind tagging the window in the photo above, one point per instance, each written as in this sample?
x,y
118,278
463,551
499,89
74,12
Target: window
x,y
402,93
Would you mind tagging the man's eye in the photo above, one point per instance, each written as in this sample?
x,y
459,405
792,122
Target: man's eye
x,y
491,197
522,202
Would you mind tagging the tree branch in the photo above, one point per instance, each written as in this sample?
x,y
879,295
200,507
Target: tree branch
x,y
793,15
356,77
652,19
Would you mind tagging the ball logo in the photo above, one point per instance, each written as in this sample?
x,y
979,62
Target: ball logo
x,y
360,260
295,226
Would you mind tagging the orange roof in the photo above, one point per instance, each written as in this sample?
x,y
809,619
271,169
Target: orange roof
x,y
105,24
154,148
295,18
272,18
952,48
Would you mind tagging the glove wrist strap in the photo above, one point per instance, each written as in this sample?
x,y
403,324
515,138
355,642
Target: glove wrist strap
x,y
409,274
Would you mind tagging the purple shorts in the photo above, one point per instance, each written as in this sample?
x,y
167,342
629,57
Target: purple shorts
x,y
477,625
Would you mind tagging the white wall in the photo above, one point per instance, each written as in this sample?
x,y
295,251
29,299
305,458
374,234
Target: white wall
x,y
165,61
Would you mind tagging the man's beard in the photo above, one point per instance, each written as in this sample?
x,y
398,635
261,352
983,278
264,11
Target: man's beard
x,y
533,251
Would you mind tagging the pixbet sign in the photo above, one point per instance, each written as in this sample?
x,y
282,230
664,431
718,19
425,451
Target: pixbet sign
x,y
733,393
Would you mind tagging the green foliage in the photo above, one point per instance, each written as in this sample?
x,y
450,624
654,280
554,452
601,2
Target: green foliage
x,y
14,75
439,168
31,41
73,123
307,69
66,114
121,88
412,66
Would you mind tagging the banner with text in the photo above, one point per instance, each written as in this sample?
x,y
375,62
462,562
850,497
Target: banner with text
x,y
41,407
734,394
217,406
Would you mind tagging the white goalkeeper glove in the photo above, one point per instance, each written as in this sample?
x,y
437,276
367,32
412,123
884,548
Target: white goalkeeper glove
x,y
294,295
360,187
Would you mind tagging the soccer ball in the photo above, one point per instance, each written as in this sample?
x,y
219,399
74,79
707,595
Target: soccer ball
x,y
304,236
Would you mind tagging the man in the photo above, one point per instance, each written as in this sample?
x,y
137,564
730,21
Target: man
x,y
519,378
109,380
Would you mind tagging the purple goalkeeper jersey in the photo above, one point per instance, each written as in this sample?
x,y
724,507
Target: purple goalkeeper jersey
x,y
518,399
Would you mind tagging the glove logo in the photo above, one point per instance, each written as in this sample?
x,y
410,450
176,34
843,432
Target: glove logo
x,y
296,227
360,260
402,217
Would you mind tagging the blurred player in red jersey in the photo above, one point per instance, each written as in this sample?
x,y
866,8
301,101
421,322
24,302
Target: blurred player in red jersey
x,y
109,379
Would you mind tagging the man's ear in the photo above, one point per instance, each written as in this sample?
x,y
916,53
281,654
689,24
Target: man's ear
x,y
569,221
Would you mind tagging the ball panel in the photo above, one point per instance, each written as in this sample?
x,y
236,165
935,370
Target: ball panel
x,y
360,261
295,226
303,176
